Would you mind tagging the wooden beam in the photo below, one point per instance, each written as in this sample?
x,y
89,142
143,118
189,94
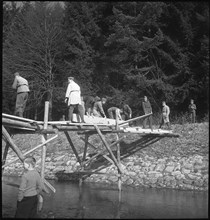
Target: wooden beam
x,y
17,118
108,148
72,146
33,149
12,144
6,121
134,119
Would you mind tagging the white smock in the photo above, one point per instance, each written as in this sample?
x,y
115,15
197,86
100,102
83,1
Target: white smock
x,y
73,93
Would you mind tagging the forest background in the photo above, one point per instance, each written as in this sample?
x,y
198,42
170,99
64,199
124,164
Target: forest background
x,y
118,50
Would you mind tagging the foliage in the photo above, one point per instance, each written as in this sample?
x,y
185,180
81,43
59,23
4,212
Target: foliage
x,y
121,50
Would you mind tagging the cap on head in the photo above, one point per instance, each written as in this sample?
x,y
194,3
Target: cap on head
x,y
16,74
71,78
30,160
103,99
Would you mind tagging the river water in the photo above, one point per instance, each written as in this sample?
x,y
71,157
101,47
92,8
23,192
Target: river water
x,y
94,200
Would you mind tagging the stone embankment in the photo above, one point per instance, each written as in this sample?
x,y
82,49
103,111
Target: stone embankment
x,y
179,163
176,172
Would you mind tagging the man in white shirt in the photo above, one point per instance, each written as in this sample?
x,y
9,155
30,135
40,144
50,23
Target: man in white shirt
x,y
73,99
21,84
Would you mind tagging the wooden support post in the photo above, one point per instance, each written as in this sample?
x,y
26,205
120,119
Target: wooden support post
x,y
118,156
12,144
72,146
83,158
44,138
6,149
107,147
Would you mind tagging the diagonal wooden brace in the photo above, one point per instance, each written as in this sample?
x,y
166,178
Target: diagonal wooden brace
x,y
12,144
72,146
102,151
108,148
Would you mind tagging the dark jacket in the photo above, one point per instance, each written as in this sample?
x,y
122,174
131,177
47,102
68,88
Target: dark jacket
x,y
147,108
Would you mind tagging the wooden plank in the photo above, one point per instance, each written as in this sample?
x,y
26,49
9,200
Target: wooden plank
x,y
72,146
134,119
107,147
17,118
33,149
21,129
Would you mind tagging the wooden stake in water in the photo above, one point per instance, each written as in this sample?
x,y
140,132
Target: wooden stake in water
x,y
44,138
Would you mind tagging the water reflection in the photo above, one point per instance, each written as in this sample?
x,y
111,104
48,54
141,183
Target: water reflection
x,y
103,201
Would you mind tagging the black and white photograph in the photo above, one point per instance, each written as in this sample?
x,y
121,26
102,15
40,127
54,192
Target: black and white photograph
x,y
105,109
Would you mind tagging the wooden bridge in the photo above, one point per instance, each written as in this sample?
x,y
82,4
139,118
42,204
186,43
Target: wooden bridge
x,y
111,153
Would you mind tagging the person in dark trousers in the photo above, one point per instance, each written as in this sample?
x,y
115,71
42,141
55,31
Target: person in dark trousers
x,y
126,112
114,113
29,191
89,102
192,110
165,116
21,84
147,108
98,109
73,99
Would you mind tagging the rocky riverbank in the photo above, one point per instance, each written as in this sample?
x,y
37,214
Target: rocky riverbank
x,y
169,163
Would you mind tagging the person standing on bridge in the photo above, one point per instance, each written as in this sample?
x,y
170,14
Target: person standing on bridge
x,y
147,108
165,116
21,84
73,99
29,191
89,102
192,110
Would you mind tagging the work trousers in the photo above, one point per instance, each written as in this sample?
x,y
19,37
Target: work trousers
x,y
79,109
163,122
20,105
145,122
192,116
96,113
111,115
27,207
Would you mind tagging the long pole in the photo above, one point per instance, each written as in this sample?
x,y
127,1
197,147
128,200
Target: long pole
x,y
118,156
44,138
